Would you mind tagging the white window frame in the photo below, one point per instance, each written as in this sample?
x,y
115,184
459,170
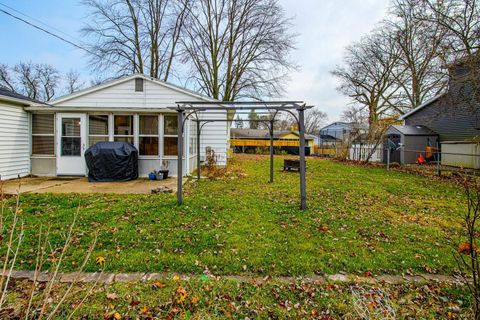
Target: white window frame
x,y
134,128
158,135
170,157
98,135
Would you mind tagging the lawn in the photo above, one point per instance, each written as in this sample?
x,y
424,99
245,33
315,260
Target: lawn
x,y
202,299
358,219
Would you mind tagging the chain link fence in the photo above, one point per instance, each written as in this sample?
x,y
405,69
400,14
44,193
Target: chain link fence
x,y
449,159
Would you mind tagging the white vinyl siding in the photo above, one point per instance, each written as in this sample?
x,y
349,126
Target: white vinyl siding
x,y
123,95
157,97
215,136
14,142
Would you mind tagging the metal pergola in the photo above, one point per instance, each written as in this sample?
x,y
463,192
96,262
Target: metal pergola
x,y
194,110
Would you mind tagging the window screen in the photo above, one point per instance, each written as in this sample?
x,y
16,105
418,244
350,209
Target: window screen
x,y
43,134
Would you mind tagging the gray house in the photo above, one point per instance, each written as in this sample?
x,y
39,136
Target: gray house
x,y
335,131
454,116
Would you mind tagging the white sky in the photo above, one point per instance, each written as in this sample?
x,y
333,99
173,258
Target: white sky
x,y
325,28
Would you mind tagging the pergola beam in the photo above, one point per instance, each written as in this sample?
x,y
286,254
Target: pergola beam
x,y
238,103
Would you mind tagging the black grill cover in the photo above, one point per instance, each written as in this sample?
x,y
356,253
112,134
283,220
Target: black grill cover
x,y
112,161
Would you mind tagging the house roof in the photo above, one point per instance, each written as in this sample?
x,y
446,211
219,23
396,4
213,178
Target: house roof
x,y
127,78
420,107
7,94
414,130
262,134
328,137
347,124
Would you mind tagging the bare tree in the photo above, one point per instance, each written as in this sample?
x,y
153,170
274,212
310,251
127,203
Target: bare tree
x,y
27,79
36,81
420,52
355,114
238,48
370,76
135,35
73,81
460,20
6,78
314,120
467,257
48,80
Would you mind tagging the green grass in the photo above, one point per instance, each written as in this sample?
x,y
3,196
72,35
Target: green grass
x,y
358,219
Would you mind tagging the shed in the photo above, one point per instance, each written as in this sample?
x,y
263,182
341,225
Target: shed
x,y
410,141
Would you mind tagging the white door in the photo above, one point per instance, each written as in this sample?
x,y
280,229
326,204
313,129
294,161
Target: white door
x,y
71,139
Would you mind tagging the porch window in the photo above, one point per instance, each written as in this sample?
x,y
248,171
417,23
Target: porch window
x,y
148,135
43,134
123,128
97,128
170,135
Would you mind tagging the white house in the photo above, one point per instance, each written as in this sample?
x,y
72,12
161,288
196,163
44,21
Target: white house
x,y
50,139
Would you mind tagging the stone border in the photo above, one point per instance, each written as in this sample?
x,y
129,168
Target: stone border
x,y
87,277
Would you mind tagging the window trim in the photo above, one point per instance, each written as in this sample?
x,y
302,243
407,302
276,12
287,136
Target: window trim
x,y
174,156
37,155
124,135
107,135
139,85
140,135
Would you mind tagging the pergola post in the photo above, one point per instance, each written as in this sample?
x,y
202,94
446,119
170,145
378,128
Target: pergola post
x,y
303,182
180,158
199,131
271,151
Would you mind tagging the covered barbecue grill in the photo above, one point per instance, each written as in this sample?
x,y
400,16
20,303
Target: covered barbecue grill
x,y
112,161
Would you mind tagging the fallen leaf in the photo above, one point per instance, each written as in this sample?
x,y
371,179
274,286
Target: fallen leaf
x,y
195,300
112,296
134,302
159,285
464,248
100,260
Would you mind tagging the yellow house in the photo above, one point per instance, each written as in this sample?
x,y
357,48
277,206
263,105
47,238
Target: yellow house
x,y
242,139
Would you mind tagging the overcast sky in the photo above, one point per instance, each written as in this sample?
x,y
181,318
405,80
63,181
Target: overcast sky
x,y
325,27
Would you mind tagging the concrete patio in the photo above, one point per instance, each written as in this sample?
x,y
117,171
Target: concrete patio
x,y
82,185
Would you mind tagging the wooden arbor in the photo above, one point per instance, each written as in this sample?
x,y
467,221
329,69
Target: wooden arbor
x,y
200,111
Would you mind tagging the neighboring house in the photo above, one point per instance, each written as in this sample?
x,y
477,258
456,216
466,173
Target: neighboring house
x,y
336,130
340,131
244,140
332,138
454,117
133,109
